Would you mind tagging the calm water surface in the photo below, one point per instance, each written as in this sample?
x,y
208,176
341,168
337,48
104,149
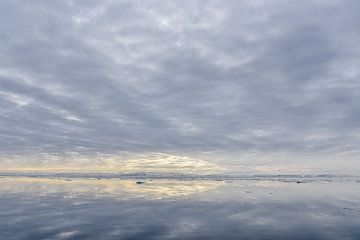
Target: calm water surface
x,y
51,208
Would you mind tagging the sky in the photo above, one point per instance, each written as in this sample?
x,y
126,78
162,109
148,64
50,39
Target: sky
x,y
269,86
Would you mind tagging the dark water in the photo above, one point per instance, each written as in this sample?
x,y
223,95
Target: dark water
x,y
42,208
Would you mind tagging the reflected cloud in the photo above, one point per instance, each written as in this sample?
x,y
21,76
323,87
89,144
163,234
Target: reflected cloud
x,y
39,208
116,188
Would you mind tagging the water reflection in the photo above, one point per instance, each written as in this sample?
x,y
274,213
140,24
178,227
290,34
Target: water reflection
x,y
115,188
35,208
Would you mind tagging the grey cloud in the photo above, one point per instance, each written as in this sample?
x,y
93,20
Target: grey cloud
x,y
201,76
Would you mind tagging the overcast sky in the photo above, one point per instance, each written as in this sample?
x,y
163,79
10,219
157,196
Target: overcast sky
x,y
228,78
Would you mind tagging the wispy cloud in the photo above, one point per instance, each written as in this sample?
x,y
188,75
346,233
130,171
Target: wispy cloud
x,y
261,77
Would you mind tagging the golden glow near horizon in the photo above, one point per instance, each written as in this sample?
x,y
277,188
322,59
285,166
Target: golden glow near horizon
x,y
116,188
151,162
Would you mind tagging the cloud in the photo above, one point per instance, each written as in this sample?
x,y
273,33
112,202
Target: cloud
x,y
252,76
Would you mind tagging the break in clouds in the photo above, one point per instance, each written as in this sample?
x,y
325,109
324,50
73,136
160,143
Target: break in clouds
x,y
180,77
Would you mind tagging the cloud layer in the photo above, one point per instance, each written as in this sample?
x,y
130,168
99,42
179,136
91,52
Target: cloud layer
x,y
197,76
